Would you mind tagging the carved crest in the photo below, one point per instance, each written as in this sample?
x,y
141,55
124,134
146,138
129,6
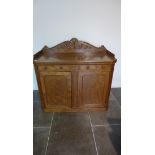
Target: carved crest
x,y
74,44
71,47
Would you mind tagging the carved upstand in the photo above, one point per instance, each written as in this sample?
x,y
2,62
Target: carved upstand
x,y
74,76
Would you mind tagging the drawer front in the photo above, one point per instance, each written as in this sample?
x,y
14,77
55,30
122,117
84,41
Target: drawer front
x,y
59,67
74,67
95,67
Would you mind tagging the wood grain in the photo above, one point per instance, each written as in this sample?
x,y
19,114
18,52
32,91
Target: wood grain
x,y
74,76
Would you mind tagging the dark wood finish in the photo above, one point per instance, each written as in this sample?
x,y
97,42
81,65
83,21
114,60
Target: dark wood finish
x,y
74,76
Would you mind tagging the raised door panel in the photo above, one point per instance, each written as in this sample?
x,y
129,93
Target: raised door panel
x,y
92,89
56,89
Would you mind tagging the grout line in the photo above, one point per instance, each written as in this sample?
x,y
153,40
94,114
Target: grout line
x,y
49,133
93,134
116,100
118,103
113,98
104,125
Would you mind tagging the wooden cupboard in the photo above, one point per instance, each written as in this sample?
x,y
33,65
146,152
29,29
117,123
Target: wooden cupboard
x,y
74,76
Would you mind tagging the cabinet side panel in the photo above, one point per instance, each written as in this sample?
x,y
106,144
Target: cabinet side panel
x,y
109,85
39,85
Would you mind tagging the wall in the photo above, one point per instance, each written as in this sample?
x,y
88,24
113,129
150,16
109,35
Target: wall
x,y
95,21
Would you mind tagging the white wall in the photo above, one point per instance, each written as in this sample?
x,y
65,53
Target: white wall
x,y
95,21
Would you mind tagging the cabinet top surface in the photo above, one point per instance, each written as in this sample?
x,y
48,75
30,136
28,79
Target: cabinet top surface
x,y
74,51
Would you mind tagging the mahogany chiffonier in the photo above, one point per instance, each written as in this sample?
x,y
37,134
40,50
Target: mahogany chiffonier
x,y
74,76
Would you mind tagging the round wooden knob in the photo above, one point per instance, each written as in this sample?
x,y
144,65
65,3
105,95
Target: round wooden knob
x,y
88,67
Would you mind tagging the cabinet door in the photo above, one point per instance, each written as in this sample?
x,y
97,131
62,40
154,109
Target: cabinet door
x,y
56,88
92,89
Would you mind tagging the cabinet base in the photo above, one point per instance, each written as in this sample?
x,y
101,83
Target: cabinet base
x,y
76,110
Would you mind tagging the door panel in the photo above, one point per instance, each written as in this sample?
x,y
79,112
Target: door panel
x,y
93,88
56,89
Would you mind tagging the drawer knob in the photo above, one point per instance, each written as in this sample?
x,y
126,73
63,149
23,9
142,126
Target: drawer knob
x,y
88,67
103,67
61,67
45,67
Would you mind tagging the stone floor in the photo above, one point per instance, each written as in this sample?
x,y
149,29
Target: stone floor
x,y
93,133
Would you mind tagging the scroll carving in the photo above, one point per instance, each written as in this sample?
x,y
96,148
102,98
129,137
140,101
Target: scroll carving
x,y
74,44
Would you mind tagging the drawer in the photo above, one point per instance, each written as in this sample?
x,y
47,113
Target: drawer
x,y
95,67
74,67
105,67
59,67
